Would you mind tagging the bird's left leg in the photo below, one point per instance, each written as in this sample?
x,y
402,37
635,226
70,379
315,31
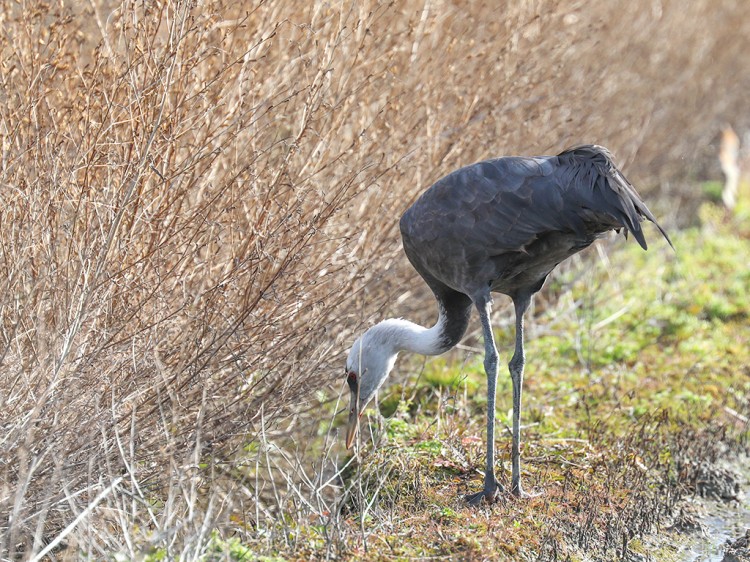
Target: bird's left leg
x,y
516,365
491,486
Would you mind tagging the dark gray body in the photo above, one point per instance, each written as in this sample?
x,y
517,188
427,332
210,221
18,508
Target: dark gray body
x,y
502,226
506,223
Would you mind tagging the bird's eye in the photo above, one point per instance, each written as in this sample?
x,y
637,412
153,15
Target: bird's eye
x,y
351,380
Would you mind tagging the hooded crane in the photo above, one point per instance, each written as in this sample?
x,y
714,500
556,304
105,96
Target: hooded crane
x,y
500,226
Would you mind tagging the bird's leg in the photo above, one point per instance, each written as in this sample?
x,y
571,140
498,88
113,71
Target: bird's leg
x,y
491,486
515,366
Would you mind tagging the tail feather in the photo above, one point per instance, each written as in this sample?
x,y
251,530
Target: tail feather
x,y
634,200
613,194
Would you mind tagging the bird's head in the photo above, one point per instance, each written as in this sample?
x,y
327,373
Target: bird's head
x,y
370,360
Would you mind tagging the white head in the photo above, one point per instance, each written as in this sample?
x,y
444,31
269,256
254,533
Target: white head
x,y
370,360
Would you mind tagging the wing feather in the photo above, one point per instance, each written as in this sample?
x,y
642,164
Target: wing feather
x,y
503,205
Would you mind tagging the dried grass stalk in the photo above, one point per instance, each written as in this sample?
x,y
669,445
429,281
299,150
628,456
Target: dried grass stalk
x,y
196,201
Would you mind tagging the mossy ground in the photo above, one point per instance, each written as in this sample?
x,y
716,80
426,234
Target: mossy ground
x,y
640,369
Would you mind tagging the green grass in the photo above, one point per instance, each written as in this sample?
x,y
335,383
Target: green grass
x,y
620,394
637,371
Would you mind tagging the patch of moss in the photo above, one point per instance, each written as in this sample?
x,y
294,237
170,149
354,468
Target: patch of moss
x,y
627,376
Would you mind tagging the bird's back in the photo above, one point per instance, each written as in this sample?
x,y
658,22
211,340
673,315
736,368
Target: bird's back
x,y
509,221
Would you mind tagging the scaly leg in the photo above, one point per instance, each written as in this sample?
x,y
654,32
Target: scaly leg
x,y
515,366
491,486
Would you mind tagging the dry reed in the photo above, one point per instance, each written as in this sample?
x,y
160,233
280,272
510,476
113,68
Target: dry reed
x,y
198,207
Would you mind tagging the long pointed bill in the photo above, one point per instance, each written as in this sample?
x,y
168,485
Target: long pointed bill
x,y
353,425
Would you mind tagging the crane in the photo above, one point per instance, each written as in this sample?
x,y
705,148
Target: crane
x,y
500,225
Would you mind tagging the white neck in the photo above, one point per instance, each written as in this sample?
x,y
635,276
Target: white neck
x,y
403,335
373,355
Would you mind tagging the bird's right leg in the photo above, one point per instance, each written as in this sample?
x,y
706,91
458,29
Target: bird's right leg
x,y
491,486
516,366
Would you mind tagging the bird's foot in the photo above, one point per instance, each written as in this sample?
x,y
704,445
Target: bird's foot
x,y
490,494
520,493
